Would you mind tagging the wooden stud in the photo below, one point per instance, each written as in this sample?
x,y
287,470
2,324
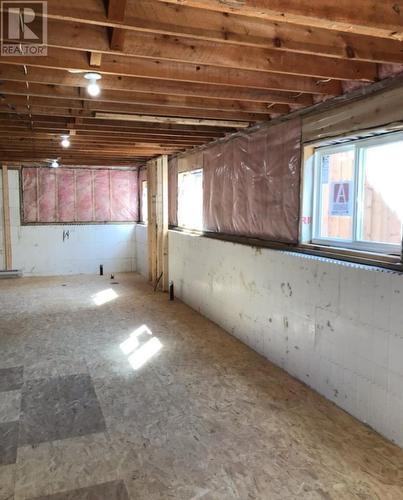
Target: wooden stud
x,y
157,192
6,220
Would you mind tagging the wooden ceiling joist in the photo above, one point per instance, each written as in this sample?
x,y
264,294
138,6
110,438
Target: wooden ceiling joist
x,y
54,78
190,51
179,73
70,93
182,19
367,17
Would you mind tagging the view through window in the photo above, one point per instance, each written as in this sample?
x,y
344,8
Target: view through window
x,y
357,200
190,199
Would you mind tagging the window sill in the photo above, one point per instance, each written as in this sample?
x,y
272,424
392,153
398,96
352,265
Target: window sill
x,y
359,258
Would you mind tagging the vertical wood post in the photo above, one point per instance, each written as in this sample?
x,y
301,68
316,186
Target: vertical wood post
x,y
157,184
6,220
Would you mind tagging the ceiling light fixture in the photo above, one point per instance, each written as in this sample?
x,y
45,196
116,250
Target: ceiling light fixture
x,y
65,141
54,164
93,88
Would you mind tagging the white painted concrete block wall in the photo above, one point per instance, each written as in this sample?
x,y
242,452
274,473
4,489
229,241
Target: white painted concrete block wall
x,y
337,327
40,250
141,250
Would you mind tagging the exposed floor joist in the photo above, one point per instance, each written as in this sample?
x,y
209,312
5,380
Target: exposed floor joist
x,y
171,68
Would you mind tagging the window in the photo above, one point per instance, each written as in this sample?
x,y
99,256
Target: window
x,y
356,195
190,199
144,202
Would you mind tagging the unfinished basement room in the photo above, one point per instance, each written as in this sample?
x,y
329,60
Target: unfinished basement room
x,y
201,268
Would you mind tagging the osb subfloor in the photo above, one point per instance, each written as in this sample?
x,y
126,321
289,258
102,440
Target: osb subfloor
x,y
94,406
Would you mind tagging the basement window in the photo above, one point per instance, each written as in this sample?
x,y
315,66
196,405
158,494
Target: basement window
x,y
190,199
354,191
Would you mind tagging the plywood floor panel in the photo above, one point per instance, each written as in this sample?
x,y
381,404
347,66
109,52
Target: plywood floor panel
x,y
188,411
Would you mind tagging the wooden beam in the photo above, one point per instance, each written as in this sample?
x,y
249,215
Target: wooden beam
x,y
6,220
116,10
163,119
370,17
118,39
157,192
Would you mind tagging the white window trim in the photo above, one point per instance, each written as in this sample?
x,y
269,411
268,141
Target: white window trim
x,y
356,244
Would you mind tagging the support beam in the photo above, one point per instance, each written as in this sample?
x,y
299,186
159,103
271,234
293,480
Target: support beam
x,y
116,10
6,220
116,13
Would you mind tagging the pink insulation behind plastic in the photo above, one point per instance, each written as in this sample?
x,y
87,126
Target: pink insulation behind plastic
x,y
251,184
47,206
142,178
102,206
65,195
124,195
29,188
79,195
84,199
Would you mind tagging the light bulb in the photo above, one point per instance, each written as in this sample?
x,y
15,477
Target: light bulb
x,y
54,164
94,89
65,142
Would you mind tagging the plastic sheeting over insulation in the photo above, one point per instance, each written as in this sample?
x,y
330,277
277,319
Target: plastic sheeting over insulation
x,y
79,195
251,184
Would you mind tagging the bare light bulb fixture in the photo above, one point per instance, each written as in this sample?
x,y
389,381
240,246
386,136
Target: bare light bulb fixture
x,y
65,141
54,164
93,88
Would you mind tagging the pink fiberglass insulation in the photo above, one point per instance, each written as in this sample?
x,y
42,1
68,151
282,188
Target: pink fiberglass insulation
x,y
251,184
65,195
102,205
142,178
29,187
47,195
84,199
124,187
79,195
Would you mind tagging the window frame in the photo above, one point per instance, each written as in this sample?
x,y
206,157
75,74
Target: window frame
x,y
358,146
